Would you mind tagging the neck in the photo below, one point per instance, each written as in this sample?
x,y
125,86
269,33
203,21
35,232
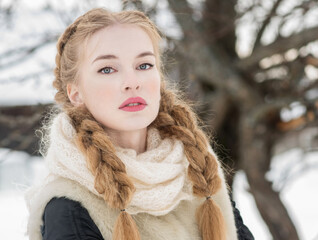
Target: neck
x,y
136,139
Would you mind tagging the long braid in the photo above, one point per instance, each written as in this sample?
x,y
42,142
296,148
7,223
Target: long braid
x,y
111,179
176,119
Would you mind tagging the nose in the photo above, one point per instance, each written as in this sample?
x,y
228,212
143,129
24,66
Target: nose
x,y
131,82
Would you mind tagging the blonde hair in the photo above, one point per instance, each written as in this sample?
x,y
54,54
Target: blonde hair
x,y
175,120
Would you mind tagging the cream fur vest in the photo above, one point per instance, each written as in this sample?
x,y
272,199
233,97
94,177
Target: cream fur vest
x,y
177,224
164,160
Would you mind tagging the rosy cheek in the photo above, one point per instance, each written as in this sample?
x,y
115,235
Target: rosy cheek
x,y
106,95
99,94
154,86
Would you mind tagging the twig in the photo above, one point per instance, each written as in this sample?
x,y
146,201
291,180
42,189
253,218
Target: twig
x,y
265,23
281,45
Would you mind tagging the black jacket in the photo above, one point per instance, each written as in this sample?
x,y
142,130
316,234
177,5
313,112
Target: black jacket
x,y
65,219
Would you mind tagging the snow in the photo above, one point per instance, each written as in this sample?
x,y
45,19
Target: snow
x,y
19,170
13,214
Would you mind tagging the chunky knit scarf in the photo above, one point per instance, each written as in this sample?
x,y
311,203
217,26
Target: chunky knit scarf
x,y
159,174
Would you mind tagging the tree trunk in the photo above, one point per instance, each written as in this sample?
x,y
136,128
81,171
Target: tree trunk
x,y
255,153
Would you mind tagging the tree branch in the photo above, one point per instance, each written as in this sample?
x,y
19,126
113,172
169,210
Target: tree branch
x,y
265,23
23,53
209,61
183,13
281,45
24,78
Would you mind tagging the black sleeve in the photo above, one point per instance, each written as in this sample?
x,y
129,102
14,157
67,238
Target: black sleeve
x,y
243,233
65,219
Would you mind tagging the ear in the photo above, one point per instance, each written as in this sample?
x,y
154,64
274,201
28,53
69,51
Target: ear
x,y
74,94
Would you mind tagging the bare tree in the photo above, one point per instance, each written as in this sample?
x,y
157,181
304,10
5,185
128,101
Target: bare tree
x,y
241,98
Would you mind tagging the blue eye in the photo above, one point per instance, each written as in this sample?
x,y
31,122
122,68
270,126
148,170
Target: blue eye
x,y
106,70
145,66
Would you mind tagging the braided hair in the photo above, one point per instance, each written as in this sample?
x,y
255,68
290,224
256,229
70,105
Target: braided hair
x,y
175,120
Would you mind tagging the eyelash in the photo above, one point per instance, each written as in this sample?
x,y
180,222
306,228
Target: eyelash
x,y
148,64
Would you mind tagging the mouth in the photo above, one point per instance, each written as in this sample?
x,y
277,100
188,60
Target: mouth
x,y
133,102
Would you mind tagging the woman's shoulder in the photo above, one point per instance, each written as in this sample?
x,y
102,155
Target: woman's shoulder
x,y
242,230
64,217
61,203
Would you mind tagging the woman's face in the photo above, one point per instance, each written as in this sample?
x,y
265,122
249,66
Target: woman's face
x,y
119,68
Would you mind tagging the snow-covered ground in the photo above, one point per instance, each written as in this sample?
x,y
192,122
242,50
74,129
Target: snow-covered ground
x,y
17,171
299,193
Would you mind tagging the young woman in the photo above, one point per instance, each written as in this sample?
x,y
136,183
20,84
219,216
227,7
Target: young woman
x,y
126,157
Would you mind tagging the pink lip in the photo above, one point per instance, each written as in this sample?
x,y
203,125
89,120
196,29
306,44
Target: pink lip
x,y
140,100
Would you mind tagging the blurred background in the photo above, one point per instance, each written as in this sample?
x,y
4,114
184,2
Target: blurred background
x,y
250,67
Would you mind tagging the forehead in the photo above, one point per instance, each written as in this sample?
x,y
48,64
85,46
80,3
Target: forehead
x,y
122,40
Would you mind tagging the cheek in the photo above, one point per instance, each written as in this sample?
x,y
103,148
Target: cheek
x,y
104,93
99,94
154,87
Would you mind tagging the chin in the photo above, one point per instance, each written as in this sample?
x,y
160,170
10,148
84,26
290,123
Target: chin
x,y
134,127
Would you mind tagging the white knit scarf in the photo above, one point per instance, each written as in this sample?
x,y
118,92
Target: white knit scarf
x,y
159,174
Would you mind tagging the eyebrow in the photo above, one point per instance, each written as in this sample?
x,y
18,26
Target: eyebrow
x,y
110,56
